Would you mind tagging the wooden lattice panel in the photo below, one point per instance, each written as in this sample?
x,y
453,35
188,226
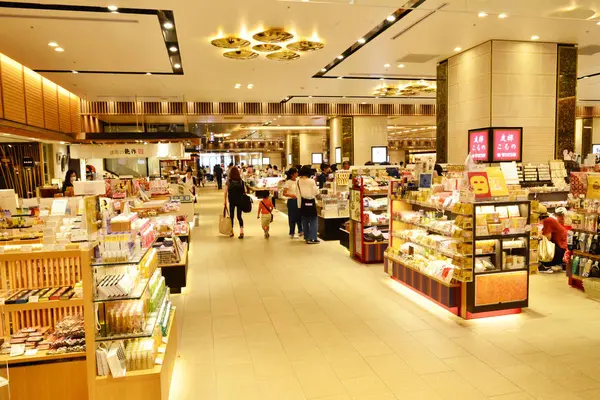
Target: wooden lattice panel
x,y
50,105
17,320
34,98
36,271
13,90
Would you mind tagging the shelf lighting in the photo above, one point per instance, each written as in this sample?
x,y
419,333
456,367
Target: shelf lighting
x,y
535,37
113,8
168,25
391,18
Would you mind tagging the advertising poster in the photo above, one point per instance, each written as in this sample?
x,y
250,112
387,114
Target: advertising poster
x,y
479,145
507,144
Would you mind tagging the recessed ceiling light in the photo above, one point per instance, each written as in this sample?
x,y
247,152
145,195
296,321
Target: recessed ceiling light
x,y
386,65
168,25
59,49
250,86
340,57
113,8
598,23
323,69
177,65
340,77
535,37
401,66
75,72
364,102
53,44
502,15
148,73
457,48
287,98
391,18
310,97
482,14
362,40
238,85
173,49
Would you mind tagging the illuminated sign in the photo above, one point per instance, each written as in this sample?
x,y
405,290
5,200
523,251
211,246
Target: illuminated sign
x,y
479,145
507,144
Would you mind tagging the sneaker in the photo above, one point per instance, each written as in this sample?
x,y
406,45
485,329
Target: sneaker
x,y
312,242
241,236
548,271
300,234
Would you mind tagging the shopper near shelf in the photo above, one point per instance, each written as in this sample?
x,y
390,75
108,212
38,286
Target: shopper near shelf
x,y
346,165
557,234
265,211
438,170
190,182
290,190
322,178
67,186
235,188
201,177
307,195
334,168
218,172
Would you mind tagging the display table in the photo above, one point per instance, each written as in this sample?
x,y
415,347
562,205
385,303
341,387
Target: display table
x,y
329,227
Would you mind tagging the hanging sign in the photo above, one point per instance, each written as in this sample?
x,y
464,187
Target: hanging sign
x,y
507,144
479,145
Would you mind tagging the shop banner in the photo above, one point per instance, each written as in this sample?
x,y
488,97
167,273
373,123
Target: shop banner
x,y
153,150
507,144
479,145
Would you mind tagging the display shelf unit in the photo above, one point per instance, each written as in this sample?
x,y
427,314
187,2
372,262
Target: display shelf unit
x,y
176,273
333,206
471,293
360,249
56,375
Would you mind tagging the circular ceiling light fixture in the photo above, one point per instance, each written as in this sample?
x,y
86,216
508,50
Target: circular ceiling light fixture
x,y
457,49
361,40
168,25
482,14
230,43
305,45
240,55
401,66
273,35
266,47
283,56
386,65
535,37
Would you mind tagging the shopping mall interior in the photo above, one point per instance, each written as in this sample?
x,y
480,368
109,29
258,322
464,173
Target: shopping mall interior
x,y
300,200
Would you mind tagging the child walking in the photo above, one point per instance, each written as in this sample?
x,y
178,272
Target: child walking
x,y
265,211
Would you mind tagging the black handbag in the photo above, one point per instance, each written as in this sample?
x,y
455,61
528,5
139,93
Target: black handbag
x,y
246,201
308,207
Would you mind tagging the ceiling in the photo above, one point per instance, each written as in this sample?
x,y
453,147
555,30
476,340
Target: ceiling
x,y
133,42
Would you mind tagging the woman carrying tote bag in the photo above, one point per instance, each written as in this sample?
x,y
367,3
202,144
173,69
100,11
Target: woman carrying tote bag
x,y
307,203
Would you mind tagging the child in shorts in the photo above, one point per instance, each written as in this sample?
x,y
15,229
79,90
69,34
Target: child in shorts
x,y
265,211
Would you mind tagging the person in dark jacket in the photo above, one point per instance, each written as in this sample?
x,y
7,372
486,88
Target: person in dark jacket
x,y
322,178
218,176
70,177
234,190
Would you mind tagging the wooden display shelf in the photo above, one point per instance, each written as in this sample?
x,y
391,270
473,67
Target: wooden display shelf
x,y
586,255
181,262
441,282
43,305
149,384
41,356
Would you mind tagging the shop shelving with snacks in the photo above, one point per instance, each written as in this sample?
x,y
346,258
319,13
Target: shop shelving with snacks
x,y
459,256
38,319
369,219
333,206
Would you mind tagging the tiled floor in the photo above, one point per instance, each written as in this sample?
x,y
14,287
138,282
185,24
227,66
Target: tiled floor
x,y
279,320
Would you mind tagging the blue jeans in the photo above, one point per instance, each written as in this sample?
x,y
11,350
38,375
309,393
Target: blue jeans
x,y
294,216
310,227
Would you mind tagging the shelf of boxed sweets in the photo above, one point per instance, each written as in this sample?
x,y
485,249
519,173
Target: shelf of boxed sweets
x,y
411,263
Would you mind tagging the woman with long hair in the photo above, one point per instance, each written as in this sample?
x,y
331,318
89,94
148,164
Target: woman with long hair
x,y
235,188
70,177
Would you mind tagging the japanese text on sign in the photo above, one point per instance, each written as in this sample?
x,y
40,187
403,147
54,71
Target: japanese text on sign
x,y
126,151
507,145
479,145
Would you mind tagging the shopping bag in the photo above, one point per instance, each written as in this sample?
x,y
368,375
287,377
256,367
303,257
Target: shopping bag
x,y
225,227
547,249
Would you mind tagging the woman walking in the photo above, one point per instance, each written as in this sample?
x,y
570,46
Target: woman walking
x,y
235,188
290,190
307,195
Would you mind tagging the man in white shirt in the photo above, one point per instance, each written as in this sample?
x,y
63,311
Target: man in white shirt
x,y
290,190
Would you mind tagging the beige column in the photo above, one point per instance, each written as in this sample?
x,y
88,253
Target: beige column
x,y
368,132
504,84
335,140
310,143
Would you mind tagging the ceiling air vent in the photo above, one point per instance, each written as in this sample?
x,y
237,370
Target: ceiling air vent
x,y
589,50
417,58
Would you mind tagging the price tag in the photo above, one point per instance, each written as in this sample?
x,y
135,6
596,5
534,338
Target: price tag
x,y
158,361
17,350
34,299
31,352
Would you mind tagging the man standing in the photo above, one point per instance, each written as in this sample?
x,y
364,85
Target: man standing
x,y
218,171
322,178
